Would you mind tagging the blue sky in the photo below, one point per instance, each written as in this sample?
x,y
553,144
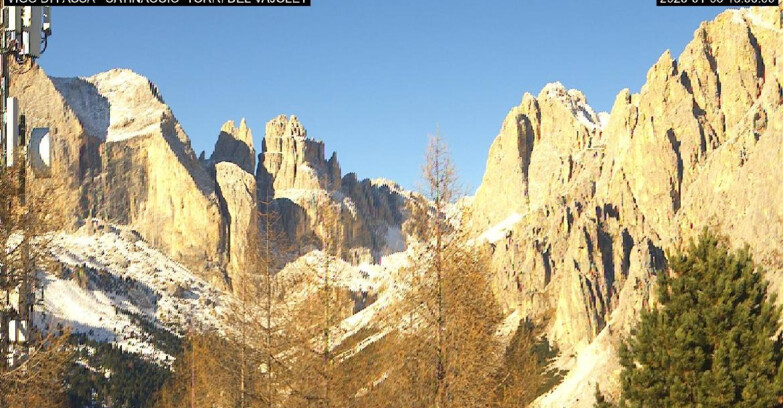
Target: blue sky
x,y
373,78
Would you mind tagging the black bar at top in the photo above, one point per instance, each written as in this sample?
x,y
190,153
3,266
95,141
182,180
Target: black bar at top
x,y
185,3
719,3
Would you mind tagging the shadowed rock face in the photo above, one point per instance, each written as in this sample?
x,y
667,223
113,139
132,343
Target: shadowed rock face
x,y
579,211
74,151
235,145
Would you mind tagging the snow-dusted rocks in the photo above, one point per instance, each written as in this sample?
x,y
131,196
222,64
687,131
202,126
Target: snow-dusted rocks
x,y
295,174
534,154
109,282
121,155
115,105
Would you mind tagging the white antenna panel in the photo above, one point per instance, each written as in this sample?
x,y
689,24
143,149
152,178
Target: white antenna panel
x,y
32,31
14,19
27,16
17,331
11,129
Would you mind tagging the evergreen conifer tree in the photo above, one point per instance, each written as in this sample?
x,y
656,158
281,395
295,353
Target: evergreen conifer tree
x,y
713,340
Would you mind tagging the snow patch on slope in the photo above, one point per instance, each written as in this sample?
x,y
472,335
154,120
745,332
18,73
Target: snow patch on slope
x,y
499,230
305,275
96,314
603,119
86,310
575,101
593,364
124,277
759,20
90,107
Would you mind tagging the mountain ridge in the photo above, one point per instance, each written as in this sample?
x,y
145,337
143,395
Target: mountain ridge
x,y
577,208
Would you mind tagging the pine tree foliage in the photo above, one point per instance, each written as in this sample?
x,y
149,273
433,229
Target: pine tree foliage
x,y
133,381
600,399
712,342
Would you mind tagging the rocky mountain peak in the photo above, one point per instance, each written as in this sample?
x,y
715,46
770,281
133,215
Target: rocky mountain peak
x,y
574,101
121,154
762,17
235,145
295,175
663,69
579,217
290,160
558,91
576,208
532,158
277,126
245,134
553,89
242,133
282,126
115,105
294,128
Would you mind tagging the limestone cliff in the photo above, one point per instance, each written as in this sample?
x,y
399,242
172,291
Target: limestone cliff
x,y
74,151
294,161
123,156
235,145
577,207
237,190
579,210
294,174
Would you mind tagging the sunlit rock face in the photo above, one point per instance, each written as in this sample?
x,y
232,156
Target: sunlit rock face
x,y
296,178
295,161
120,154
580,208
235,145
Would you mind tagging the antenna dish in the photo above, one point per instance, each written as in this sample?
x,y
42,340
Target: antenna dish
x,y
40,152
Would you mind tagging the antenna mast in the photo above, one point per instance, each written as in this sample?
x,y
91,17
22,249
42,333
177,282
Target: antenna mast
x,y
24,31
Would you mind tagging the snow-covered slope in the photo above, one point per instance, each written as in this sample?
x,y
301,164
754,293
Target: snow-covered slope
x,y
112,286
306,275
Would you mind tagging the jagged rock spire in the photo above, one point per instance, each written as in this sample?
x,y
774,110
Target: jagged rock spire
x,y
293,161
235,145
